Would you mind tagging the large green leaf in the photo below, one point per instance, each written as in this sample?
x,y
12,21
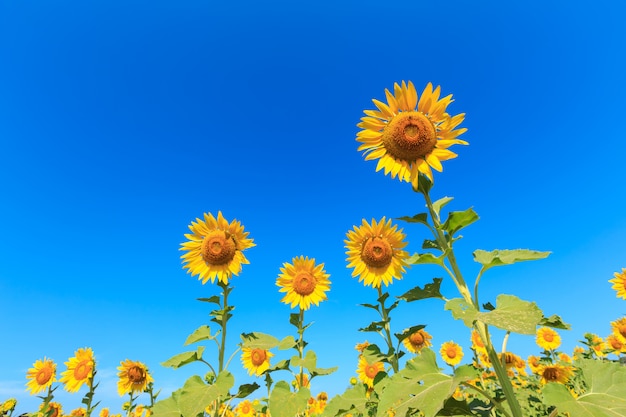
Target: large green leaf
x,y
167,407
308,362
424,258
605,396
184,358
353,400
418,218
430,290
201,333
256,340
459,219
506,256
195,395
510,314
284,403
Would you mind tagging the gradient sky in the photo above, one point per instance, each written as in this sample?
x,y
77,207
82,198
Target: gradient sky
x,y
121,122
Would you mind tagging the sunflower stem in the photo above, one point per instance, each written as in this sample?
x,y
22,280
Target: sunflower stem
x,y
301,347
385,316
226,290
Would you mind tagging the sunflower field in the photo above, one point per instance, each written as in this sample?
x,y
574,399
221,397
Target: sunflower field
x,y
403,373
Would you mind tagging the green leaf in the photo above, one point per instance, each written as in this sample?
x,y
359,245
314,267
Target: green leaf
x,y
372,306
256,340
431,244
201,333
430,290
246,389
294,318
452,407
283,365
439,204
167,407
459,219
215,299
424,258
373,327
605,396
408,332
287,343
418,218
308,362
195,395
284,403
488,306
354,399
506,257
323,371
555,322
184,358
510,314
424,184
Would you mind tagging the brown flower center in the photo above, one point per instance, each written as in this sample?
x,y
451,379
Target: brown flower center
x,y
616,344
258,356
548,337
218,248
451,352
416,339
409,135
136,375
551,374
304,283
82,370
55,411
371,371
622,330
377,252
44,375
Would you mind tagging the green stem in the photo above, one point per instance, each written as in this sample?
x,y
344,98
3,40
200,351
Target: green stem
x,y
385,317
222,347
301,347
485,394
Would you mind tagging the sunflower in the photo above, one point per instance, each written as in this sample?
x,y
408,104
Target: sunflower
x,y
616,344
78,412
133,377
79,371
256,360
619,283
547,338
555,373
214,249
296,382
245,409
418,340
304,282
477,342
8,406
375,252
41,375
451,353
408,136
54,409
619,329
368,371
598,345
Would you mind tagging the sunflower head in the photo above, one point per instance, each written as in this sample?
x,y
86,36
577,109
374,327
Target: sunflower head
x,y
214,248
8,406
41,375
245,409
409,135
477,342
619,283
367,371
417,341
256,360
304,283
375,251
555,373
133,377
616,344
53,409
80,369
451,353
619,328
547,338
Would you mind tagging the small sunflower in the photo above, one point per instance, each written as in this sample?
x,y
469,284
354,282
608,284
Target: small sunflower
x,y
477,342
375,252
534,363
547,338
215,248
8,406
41,375
368,371
451,353
305,378
408,136
616,344
256,361
79,371
362,346
598,345
418,340
303,282
619,329
54,409
245,409
555,373
619,283
133,377
78,412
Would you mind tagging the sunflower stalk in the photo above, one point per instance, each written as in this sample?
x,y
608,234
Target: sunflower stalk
x,y
384,313
301,347
222,321
463,289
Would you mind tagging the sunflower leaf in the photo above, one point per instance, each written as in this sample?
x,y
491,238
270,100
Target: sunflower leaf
x,y
354,399
201,333
167,407
439,204
308,362
195,395
287,343
431,244
280,366
246,389
215,299
506,257
459,219
374,326
418,218
408,332
425,258
430,290
322,371
372,306
256,340
554,321
284,403
181,359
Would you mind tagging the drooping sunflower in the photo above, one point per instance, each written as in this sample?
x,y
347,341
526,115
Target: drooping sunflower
x,y
451,353
555,373
256,361
368,371
79,371
410,136
619,283
8,406
133,377
245,409
303,282
547,338
477,342
418,340
41,375
375,252
598,345
619,329
215,248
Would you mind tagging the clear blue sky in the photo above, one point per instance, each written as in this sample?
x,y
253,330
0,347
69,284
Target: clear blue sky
x,y
120,122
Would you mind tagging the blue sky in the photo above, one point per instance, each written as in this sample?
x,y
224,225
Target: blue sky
x,y
121,122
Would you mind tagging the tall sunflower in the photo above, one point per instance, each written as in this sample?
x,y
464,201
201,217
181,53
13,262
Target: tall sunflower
x,y
368,371
79,371
619,283
256,361
451,353
410,136
41,375
303,282
417,341
133,377
215,248
375,252
547,338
